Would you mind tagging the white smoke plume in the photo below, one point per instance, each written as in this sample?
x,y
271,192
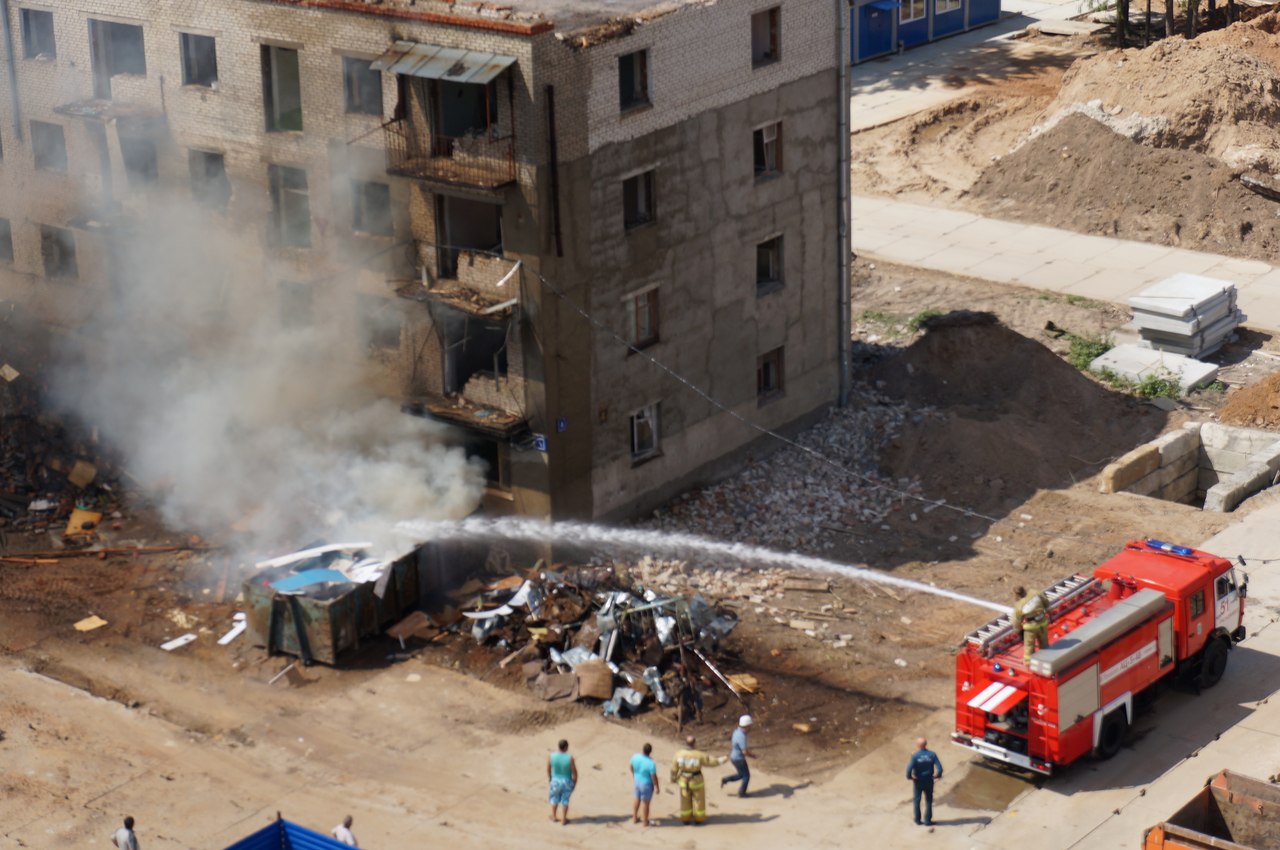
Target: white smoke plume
x,y
244,418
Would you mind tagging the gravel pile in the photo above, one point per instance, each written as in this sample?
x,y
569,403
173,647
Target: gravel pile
x,y
791,499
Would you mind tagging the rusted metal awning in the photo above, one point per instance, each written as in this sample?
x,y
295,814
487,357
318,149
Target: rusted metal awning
x,y
433,62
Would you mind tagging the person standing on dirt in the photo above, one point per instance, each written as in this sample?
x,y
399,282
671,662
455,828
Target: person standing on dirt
x,y
124,837
738,753
644,775
562,774
1031,617
686,773
342,833
922,770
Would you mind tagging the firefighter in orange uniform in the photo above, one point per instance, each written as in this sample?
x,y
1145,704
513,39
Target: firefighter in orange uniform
x,y
686,772
1031,617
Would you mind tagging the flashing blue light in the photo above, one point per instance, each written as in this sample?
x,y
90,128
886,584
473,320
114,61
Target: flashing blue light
x,y
1161,546
996,667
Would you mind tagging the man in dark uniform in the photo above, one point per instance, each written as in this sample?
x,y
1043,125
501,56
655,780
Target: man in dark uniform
x,y
921,771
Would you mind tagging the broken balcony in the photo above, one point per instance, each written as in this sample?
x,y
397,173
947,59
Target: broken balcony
x,y
449,128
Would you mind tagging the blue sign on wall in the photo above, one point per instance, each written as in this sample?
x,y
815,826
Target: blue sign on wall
x,y
540,442
562,425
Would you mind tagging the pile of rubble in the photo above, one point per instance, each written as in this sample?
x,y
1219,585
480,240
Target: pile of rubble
x,y
792,499
593,632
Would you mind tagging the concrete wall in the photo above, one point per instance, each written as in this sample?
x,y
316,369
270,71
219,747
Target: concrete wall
x,y
1216,464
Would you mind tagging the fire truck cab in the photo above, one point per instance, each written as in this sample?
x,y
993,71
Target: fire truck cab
x,y
1152,612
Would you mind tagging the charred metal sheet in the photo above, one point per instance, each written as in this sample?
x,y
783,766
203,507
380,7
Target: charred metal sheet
x,y
432,62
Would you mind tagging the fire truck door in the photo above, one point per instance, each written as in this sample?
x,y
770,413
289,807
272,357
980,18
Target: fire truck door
x,y
1164,638
1227,596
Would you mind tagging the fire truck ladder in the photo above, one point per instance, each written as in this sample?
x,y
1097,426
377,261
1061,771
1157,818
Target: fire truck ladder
x,y
997,635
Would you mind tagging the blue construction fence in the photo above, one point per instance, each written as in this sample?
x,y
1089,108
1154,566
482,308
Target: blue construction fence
x,y
283,835
879,27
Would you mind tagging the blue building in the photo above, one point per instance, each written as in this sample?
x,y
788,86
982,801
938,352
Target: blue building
x,y
880,27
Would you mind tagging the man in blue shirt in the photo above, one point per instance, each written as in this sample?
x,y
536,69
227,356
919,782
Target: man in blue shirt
x,y
923,768
738,753
644,773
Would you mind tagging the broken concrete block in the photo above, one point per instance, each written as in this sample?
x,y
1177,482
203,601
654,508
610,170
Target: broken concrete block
x,y
804,625
1123,473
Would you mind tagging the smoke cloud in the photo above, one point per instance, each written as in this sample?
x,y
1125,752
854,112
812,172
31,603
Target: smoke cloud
x,y
250,418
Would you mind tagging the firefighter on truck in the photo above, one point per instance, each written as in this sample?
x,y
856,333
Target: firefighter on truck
x,y
1060,676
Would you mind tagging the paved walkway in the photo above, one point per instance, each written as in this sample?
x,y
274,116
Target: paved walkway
x,y
1048,258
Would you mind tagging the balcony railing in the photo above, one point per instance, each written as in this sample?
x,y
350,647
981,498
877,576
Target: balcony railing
x,y
478,160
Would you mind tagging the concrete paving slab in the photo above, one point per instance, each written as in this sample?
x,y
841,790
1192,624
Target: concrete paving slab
x,y
1107,284
1134,255
1136,363
1181,260
1057,275
1007,266
956,258
1236,269
1078,247
984,232
910,250
868,240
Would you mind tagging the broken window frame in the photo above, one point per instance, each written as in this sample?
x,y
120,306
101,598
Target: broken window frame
x,y
639,204
642,318
6,242
766,37
275,97
290,203
49,146
646,433
58,253
770,270
121,56
361,87
210,187
371,219
38,37
911,10
766,144
771,374
199,61
633,80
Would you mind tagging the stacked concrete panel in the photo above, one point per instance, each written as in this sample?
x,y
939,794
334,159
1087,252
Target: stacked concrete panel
x,y
1186,314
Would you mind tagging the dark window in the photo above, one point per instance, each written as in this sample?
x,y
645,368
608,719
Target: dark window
x,y
638,200
6,241
769,374
372,202
209,184
380,318
362,85
766,37
119,48
199,60
49,145
633,80
1197,604
281,89
496,457
644,433
37,34
140,162
768,150
58,250
642,318
769,265
297,303
290,206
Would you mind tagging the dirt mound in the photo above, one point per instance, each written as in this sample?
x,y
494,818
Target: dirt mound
x,y
1254,406
1009,417
1212,96
1082,176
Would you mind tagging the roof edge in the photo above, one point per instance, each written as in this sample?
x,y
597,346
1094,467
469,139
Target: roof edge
x,y
465,22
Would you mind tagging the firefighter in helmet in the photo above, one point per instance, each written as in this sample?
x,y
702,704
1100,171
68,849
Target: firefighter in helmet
x,y
686,773
1031,617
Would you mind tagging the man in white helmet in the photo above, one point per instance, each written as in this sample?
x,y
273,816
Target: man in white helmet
x,y
738,753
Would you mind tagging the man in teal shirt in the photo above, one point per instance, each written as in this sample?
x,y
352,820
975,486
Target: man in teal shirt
x,y
644,773
562,776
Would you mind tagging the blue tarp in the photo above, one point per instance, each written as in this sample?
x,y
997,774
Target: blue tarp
x,y
282,835
306,578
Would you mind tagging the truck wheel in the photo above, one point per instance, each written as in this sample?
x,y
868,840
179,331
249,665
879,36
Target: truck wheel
x,y
1214,663
1115,727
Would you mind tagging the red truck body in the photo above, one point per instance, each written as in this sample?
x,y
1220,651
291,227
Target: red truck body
x,y
1152,611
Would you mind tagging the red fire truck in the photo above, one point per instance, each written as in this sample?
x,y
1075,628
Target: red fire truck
x,y
1151,612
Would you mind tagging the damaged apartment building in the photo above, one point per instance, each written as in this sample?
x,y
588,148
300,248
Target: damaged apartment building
x,y
517,204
